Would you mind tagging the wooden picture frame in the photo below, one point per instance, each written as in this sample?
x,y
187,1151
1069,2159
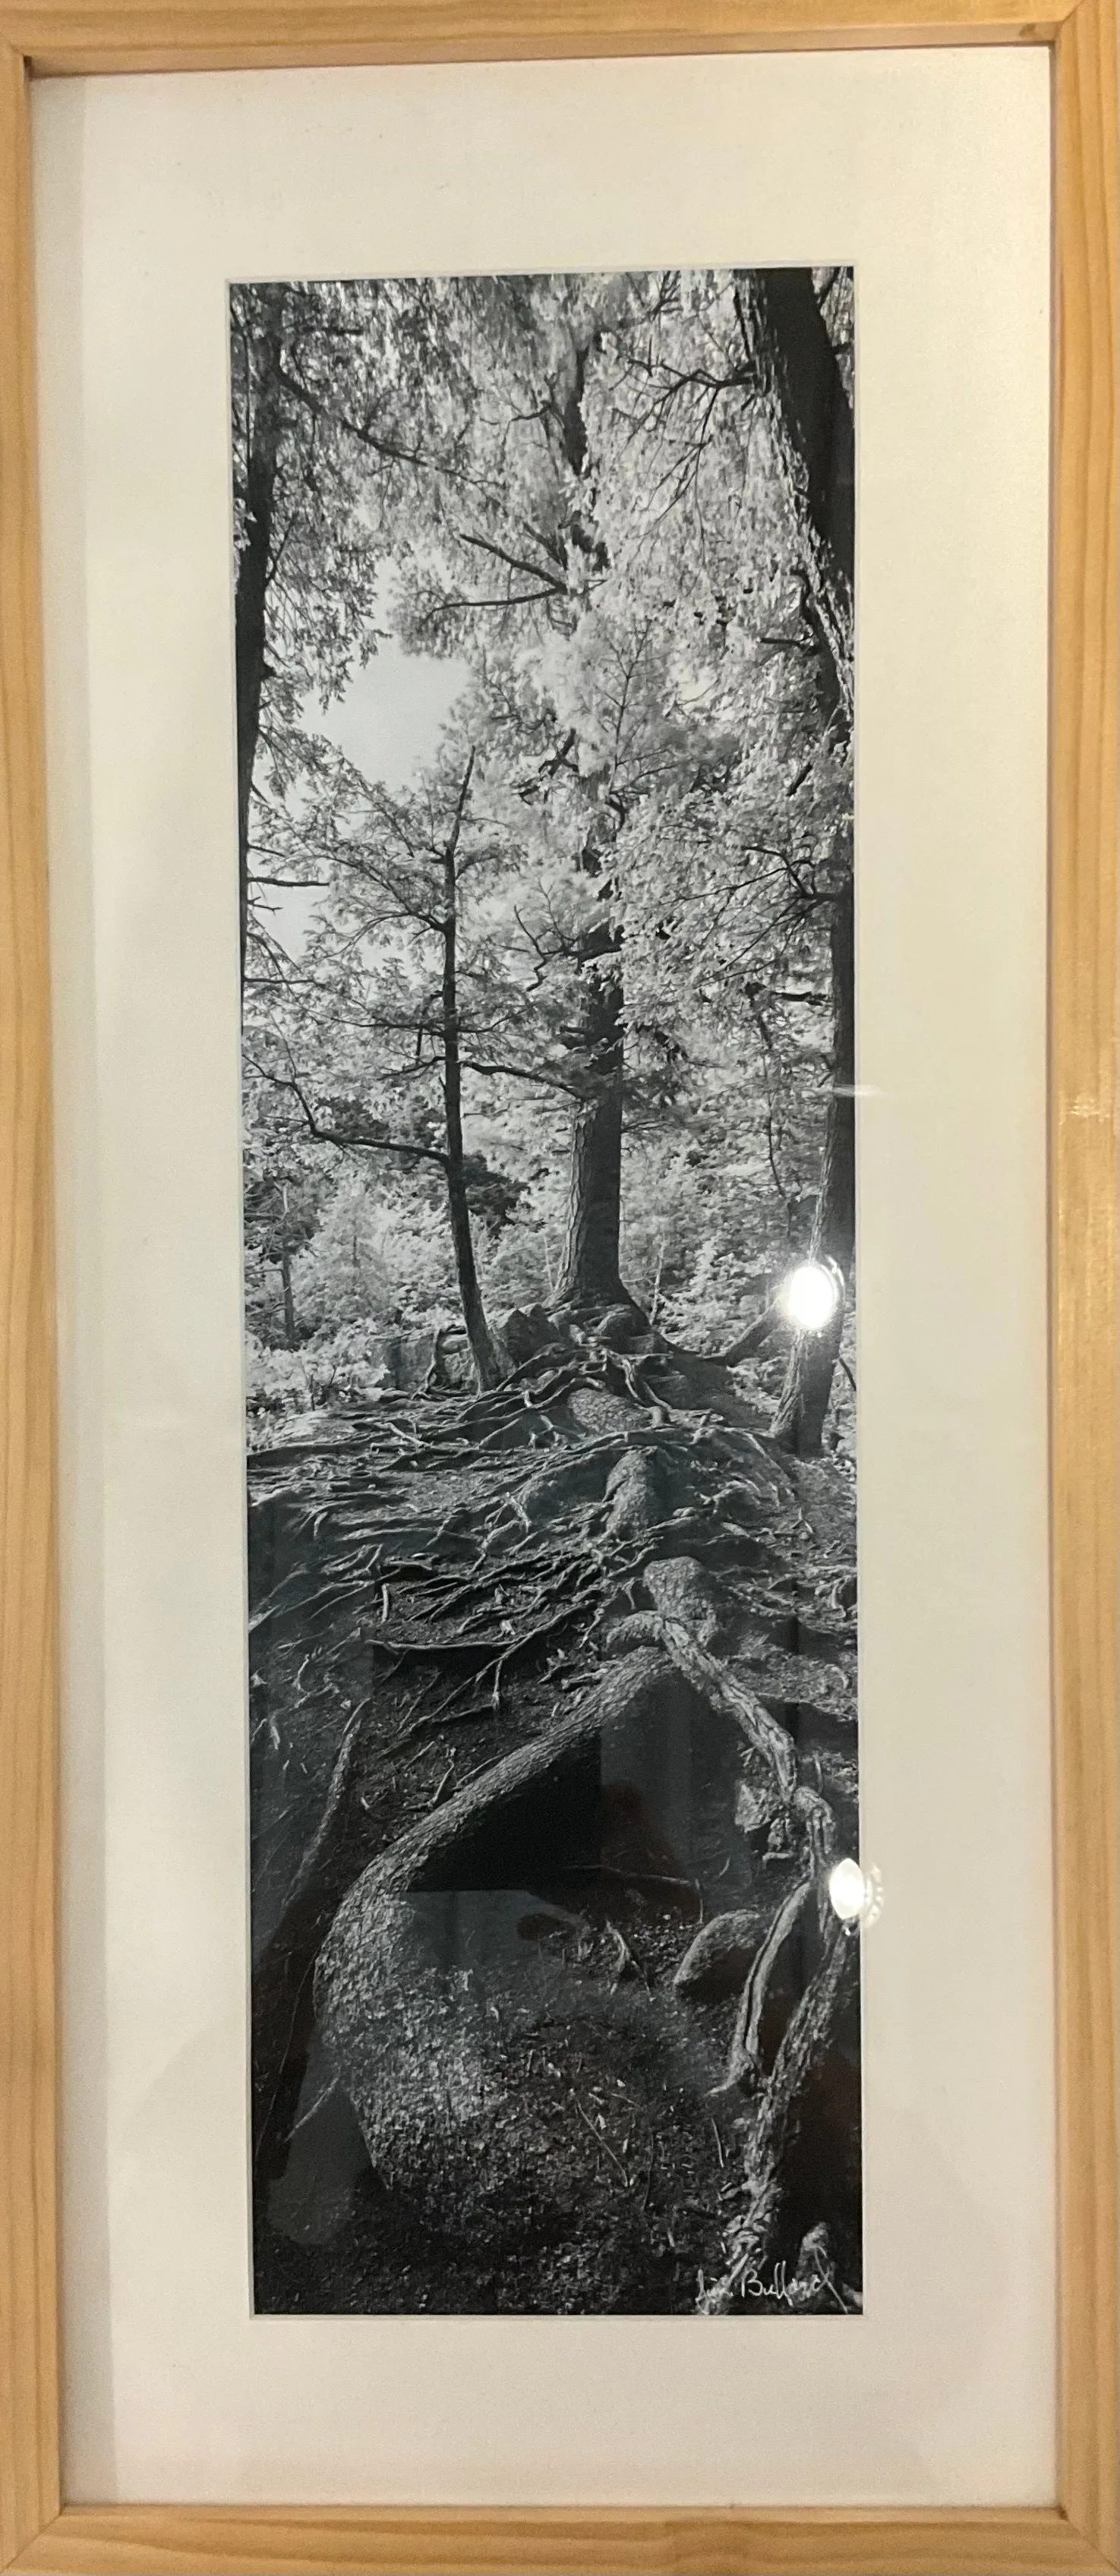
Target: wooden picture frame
x,y
1081,2530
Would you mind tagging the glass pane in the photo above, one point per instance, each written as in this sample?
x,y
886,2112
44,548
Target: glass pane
x,y
543,599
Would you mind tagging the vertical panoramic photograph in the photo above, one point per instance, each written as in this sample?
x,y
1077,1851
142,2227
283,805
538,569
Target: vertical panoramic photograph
x,y
543,617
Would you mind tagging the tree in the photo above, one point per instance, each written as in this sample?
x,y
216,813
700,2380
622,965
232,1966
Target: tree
x,y
608,522
590,1275
260,446
486,1360
407,982
281,1212
531,513
745,395
811,419
342,395
798,379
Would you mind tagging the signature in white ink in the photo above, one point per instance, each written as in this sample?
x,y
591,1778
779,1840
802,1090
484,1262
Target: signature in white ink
x,y
805,2291
787,2293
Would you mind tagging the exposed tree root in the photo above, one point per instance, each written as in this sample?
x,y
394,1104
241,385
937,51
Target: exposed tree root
x,y
491,1802
751,2232
606,1517
282,1978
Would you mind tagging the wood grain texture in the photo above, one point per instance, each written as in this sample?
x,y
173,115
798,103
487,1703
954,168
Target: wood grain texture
x,y
181,2541
67,36
28,2357
1086,1254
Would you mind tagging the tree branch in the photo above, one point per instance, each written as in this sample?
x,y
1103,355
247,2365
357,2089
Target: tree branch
x,y
368,1143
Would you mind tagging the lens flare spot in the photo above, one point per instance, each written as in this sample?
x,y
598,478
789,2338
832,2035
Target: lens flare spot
x,y
809,1296
847,1890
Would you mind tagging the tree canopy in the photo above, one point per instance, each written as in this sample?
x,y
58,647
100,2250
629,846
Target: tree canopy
x,y
620,503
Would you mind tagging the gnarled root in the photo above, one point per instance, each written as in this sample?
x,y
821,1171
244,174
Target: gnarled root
x,y
447,1544
283,2015
751,2233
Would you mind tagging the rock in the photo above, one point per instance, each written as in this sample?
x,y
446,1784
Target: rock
x,y
495,1997
635,1491
505,2088
717,1962
527,1330
621,1328
679,1589
755,1803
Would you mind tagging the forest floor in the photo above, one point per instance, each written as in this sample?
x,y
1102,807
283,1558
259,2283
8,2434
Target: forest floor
x,y
553,1745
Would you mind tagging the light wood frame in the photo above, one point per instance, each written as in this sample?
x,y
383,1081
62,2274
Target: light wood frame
x,y
1081,2531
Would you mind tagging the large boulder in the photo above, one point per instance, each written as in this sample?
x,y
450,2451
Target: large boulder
x,y
496,1998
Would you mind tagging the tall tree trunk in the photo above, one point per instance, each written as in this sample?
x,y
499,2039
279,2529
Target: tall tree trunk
x,y
291,1335
800,1418
811,422
589,1268
589,1262
487,1363
250,619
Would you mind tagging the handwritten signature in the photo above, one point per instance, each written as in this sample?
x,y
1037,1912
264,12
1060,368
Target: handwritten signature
x,y
801,2292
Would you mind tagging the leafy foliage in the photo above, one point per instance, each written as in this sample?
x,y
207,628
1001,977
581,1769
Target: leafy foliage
x,y
572,485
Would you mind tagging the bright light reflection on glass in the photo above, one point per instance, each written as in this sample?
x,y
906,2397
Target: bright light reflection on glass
x,y
809,1296
847,1890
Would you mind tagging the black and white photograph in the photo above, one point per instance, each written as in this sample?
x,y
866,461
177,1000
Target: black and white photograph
x,y
542,601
